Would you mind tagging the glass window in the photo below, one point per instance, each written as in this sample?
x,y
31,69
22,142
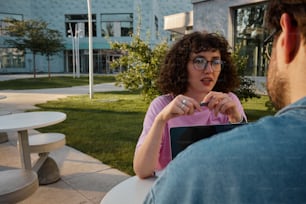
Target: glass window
x,y
7,16
249,34
116,25
78,25
11,58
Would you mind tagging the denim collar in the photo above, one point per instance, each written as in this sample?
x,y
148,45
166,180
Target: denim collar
x,y
300,104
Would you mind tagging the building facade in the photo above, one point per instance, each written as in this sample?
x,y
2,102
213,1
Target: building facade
x,y
111,21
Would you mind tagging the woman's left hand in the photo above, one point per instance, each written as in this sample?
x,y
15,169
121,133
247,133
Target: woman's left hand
x,y
223,103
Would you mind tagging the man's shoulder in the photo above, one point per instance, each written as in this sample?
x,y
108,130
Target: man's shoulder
x,y
252,158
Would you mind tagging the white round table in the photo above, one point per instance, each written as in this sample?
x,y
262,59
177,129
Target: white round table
x,y
22,122
131,191
3,135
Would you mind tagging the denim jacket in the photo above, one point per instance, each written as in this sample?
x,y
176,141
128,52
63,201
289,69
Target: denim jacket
x,y
261,162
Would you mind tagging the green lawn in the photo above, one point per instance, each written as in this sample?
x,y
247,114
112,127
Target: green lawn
x,y
108,126
53,82
256,108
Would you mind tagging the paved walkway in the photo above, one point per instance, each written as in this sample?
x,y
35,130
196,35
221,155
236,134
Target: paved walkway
x,y
83,178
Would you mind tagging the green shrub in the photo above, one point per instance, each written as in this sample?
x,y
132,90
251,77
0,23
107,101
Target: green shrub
x,y
247,88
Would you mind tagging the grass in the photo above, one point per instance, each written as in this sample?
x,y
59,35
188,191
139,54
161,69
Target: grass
x,y
53,82
255,108
108,126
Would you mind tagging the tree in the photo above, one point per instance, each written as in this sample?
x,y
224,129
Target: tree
x,y
247,88
35,36
142,65
53,43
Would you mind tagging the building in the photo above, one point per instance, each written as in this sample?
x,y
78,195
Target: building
x,y
111,21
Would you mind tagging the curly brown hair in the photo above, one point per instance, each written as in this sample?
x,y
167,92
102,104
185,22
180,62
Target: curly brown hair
x,y
295,8
173,76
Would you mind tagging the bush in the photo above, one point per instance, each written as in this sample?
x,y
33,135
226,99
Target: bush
x,y
247,88
142,65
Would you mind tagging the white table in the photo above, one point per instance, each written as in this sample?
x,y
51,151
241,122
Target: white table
x,y
22,122
131,191
3,112
3,135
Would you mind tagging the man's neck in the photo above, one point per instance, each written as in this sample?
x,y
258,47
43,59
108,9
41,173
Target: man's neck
x,y
298,75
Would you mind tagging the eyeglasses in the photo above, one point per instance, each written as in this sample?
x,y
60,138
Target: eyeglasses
x,y
268,43
200,63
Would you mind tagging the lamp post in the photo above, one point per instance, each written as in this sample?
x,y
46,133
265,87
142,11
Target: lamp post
x,y
77,49
73,53
90,50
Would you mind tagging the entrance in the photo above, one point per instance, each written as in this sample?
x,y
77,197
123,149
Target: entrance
x,y
101,61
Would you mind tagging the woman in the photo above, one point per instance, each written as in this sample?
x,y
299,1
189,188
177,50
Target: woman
x,y
196,78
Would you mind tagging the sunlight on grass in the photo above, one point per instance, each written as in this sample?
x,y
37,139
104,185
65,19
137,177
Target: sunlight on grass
x,y
257,103
53,82
256,108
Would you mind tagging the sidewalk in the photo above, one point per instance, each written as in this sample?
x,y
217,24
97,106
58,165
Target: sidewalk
x,y
84,180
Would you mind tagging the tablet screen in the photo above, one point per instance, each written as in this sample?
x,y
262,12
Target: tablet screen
x,y
182,137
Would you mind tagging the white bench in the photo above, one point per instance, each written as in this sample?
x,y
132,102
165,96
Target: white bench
x,y
45,166
17,185
3,135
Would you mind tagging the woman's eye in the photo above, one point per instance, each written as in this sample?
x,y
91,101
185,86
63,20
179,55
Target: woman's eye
x,y
216,62
199,61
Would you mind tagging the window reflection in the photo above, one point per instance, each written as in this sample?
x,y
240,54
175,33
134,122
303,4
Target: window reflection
x,y
79,25
11,58
116,25
249,35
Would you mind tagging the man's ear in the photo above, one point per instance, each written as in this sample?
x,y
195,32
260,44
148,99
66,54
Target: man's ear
x,y
290,41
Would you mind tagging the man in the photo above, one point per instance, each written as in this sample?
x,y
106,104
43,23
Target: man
x,y
262,162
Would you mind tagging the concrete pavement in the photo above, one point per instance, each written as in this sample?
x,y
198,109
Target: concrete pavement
x,y
21,100
83,178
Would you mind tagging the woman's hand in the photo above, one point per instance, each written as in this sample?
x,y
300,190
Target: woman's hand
x,y
180,105
147,155
223,103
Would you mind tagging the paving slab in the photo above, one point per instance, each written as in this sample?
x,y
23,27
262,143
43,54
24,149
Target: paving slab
x,y
84,179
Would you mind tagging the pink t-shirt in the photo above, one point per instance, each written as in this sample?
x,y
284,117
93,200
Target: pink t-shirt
x,y
205,117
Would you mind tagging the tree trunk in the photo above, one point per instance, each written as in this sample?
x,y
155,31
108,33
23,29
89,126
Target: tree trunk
x,y
34,65
49,74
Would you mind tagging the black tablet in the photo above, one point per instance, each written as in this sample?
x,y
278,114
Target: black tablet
x,y
182,137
